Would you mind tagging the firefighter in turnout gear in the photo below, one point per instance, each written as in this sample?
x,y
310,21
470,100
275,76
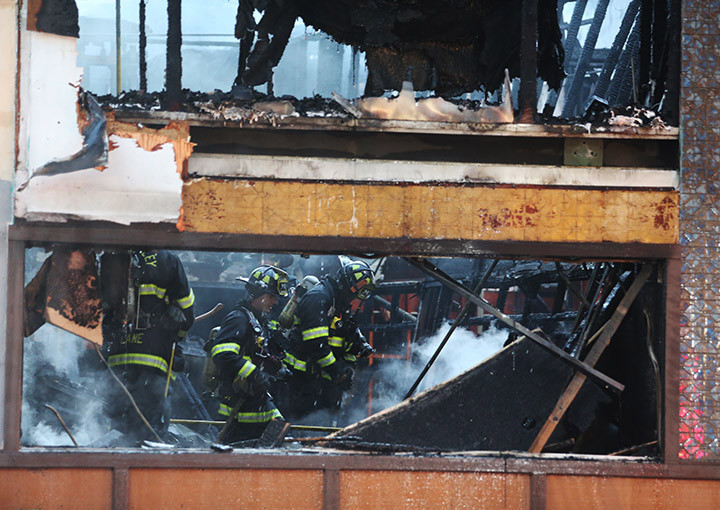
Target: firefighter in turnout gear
x,y
163,313
324,343
240,354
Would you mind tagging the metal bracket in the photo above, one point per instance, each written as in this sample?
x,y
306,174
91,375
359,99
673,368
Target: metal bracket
x,y
583,152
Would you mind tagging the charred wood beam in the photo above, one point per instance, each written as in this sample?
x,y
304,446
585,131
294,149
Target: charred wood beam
x,y
173,69
584,368
457,322
574,28
528,61
569,285
559,301
646,38
607,283
583,308
573,96
142,47
592,358
671,99
245,32
622,83
603,83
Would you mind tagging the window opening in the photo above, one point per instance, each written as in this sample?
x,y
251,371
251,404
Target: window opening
x,y
453,354
606,61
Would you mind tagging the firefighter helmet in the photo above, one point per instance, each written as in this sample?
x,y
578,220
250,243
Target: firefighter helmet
x,y
357,278
267,280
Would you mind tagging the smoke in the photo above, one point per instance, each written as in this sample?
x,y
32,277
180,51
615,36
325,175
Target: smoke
x,y
59,370
464,350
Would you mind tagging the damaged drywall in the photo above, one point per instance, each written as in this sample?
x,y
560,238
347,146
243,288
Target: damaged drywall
x,y
63,173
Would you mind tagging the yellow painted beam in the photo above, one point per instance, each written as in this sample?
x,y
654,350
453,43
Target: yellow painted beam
x,y
429,211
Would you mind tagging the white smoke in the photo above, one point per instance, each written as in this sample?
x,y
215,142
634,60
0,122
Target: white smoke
x,y
464,350
52,354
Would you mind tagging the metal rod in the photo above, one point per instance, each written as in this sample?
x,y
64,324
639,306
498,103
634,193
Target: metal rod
x,y
389,306
207,314
127,392
454,326
586,369
62,422
315,428
569,285
118,48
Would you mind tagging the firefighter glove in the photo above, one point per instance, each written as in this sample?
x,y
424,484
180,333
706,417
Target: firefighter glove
x,y
259,382
347,376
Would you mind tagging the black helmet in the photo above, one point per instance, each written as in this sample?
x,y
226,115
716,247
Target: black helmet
x,y
267,280
357,278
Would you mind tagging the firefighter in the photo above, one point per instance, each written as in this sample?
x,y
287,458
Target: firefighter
x,y
141,355
240,354
321,360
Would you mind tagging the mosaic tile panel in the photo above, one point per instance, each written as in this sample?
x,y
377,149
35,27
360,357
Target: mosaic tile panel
x,y
699,434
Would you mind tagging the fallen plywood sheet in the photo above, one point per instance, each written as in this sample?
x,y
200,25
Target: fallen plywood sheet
x,y
73,294
498,405
417,211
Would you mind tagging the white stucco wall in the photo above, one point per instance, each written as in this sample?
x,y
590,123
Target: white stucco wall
x,y
7,160
136,185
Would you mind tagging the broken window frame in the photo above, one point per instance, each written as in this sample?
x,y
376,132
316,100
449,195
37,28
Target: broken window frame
x,y
22,237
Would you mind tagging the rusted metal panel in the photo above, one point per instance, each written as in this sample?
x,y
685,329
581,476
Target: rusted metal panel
x,y
81,489
407,489
225,488
596,493
429,212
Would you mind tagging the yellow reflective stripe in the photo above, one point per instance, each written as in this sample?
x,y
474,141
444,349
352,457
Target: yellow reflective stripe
x,y
327,360
187,301
294,362
246,370
251,417
148,289
227,347
325,375
138,359
350,357
335,341
273,325
313,333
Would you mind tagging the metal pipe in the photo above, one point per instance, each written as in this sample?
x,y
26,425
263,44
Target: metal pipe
x,y
586,369
62,422
118,48
457,322
389,306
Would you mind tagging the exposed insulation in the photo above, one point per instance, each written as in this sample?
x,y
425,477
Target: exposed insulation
x,y
175,133
432,212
